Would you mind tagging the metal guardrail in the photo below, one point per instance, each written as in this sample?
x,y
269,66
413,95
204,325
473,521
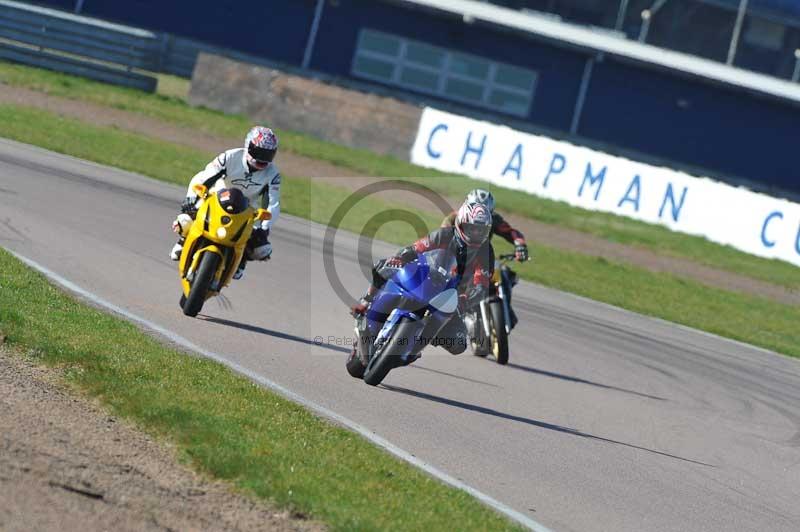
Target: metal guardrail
x,y
96,49
76,67
60,41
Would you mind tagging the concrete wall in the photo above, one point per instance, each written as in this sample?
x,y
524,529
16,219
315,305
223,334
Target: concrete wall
x,y
334,114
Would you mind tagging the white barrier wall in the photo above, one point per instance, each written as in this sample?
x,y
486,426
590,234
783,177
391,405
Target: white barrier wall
x,y
752,222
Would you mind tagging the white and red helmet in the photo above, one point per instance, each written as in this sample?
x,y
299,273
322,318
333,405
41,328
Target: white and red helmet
x,y
481,195
260,147
473,224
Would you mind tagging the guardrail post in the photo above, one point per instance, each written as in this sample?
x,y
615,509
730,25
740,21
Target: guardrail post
x,y
165,49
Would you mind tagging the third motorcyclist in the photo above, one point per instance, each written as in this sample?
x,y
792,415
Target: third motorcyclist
x,y
499,227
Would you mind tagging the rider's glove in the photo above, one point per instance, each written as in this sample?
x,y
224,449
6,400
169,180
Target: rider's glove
x,y
394,263
188,206
521,250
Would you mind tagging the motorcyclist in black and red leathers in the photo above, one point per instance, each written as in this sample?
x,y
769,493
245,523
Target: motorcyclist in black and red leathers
x,y
468,240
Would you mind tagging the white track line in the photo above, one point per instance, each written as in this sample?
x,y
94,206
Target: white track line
x,y
319,409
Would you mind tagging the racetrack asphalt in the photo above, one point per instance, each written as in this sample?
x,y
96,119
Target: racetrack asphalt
x,y
603,420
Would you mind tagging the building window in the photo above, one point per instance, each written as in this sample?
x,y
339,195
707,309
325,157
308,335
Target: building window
x,y
765,34
452,75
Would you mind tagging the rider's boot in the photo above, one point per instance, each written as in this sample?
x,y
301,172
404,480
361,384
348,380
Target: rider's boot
x,y
239,273
471,323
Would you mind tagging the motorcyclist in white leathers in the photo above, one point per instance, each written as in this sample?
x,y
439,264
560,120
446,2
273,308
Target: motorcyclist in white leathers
x,y
250,169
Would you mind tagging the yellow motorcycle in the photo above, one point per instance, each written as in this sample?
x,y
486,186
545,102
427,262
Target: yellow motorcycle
x,y
214,244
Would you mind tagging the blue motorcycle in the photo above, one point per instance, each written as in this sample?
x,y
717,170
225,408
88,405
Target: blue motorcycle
x,y
405,316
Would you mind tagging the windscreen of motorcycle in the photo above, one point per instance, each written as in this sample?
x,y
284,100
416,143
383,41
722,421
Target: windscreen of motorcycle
x,y
433,272
232,200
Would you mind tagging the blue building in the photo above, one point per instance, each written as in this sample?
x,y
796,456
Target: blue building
x,y
536,72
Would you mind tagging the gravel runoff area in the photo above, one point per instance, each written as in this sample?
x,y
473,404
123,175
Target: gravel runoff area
x,y
66,464
297,165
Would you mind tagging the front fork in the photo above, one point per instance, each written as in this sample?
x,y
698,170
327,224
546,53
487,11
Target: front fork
x,y
216,282
386,332
487,333
368,346
502,295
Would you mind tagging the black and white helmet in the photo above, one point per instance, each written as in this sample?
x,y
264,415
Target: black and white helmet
x,y
482,196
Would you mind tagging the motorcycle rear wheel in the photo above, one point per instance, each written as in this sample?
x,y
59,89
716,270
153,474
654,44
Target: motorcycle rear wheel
x,y
200,285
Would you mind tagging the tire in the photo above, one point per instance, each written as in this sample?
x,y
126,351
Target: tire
x,y
354,366
386,360
202,281
499,335
182,301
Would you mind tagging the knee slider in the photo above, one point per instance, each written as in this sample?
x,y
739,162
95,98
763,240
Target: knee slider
x,y
182,224
261,252
456,347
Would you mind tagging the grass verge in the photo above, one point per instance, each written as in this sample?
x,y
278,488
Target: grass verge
x,y
224,424
747,318
608,226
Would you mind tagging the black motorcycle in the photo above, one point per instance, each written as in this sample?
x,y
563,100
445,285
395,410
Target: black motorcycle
x,y
490,322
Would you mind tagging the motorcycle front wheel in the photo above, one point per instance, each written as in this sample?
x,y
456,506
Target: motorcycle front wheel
x,y
499,335
389,355
200,285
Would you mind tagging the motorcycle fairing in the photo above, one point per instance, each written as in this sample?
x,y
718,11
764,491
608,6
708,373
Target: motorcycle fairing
x,y
408,293
215,230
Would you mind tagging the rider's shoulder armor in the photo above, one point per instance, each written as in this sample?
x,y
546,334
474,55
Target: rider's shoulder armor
x,y
238,174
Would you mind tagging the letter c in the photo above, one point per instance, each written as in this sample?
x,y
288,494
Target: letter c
x,y
431,153
767,220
